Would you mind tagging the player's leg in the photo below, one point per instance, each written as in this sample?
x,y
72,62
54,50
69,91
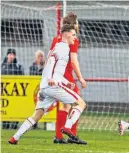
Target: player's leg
x,y
122,126
71,121
61,119
44,102
66,95
74,131
60,122
27,124
74,127
73,117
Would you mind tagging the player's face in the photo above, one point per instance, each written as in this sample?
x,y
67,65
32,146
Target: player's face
x,y
71,37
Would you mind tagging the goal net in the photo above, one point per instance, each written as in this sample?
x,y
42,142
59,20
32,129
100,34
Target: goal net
x,y
103,52
104,62
27,27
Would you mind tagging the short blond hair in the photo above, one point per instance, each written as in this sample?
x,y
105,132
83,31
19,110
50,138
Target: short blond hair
x,y
39,52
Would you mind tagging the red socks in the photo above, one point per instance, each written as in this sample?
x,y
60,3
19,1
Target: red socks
x,y
60,122
74,128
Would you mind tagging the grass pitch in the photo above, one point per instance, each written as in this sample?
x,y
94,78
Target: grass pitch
x,y
40,141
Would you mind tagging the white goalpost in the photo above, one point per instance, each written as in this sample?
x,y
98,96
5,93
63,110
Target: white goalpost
x,y
103,52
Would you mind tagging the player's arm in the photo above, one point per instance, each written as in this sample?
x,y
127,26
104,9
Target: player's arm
x,y
75,63
76,68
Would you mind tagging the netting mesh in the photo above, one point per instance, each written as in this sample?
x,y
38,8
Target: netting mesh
x,y
104,60
27,29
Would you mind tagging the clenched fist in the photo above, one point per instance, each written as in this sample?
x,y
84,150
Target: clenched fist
x,y
51,82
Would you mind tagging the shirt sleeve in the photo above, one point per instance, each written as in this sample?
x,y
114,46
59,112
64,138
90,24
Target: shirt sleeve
x,y
74,47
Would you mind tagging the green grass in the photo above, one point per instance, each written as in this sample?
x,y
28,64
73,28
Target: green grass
x,y
40,141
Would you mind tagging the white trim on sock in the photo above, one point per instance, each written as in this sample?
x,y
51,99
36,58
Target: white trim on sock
x,y
31,120
73,116
78,108
27,124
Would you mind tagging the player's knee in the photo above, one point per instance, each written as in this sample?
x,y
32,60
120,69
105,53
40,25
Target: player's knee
x,y
84,104
81,103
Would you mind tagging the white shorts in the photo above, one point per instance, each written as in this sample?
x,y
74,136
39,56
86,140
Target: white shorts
x,y
50,95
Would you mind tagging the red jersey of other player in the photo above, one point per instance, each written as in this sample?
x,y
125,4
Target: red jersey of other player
x,y
74,49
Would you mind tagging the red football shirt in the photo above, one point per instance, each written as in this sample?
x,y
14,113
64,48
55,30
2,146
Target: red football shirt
x,y
73,48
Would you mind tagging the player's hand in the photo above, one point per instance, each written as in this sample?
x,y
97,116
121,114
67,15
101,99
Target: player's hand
x,y
83,83
71,85
51,82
